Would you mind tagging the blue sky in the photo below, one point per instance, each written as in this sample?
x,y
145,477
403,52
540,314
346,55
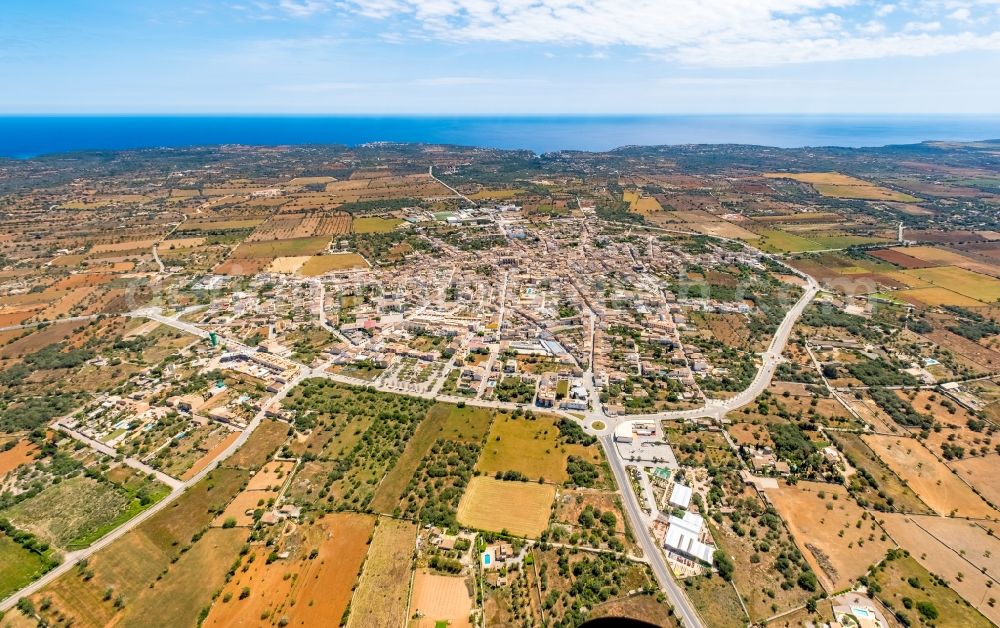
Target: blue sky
x,y
500,56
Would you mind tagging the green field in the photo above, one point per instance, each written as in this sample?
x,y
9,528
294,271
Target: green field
x,y
444,421
530,446
374,224
18,566
844,241
897,579
73,513
777,241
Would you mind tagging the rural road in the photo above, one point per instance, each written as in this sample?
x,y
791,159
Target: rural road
x,y
715,409
72,558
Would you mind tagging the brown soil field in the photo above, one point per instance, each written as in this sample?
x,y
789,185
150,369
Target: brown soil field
x,y
860,455
955,549
521,508
816,524
440,598
241,267
299,590
66,303
983,473
56,332
897,257
320,264
725,230
261,445
189,585
80,280
180,243
242,507
271,476
985,358
954,429
287,265
933,482
16,316
130,245
383,591
24,451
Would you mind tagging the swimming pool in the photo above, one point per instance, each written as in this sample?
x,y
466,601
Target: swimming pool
x,y
486,559
861,613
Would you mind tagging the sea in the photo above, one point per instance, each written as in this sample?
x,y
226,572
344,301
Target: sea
x,y
25,136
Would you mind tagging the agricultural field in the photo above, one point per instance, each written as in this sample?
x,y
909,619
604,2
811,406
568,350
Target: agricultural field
x,y
444,422
312,586
128,567
967,283
838,538
520,508
838,185
533,447
322,264
363,434
912,591
983,474
23,452
18,566
280,248
931,480
381,595
777,241
875,484
716,601
374,224
74,512
439,600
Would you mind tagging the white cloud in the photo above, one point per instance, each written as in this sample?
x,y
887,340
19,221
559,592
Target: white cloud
x,y
705,33
962,15
304,8
922,27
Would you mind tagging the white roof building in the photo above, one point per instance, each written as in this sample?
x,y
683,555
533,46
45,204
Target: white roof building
x,y
683,536
680,496
623,433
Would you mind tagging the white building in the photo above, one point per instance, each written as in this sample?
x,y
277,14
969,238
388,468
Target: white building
x,y
623,433
684,537
680,496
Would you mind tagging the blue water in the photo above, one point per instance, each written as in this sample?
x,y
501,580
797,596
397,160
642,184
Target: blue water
x,y
25,136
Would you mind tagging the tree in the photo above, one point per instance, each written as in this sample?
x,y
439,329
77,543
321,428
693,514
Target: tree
x,y
724,564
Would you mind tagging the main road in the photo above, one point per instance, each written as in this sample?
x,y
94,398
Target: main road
x,y
713,409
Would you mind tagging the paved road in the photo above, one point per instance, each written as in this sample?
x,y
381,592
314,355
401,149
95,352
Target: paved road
x,y
430,171
72,558
107,450
682,606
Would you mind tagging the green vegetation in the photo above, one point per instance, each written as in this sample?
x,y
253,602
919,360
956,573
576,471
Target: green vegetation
x,y
436,487
900,410
918,596
378,425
